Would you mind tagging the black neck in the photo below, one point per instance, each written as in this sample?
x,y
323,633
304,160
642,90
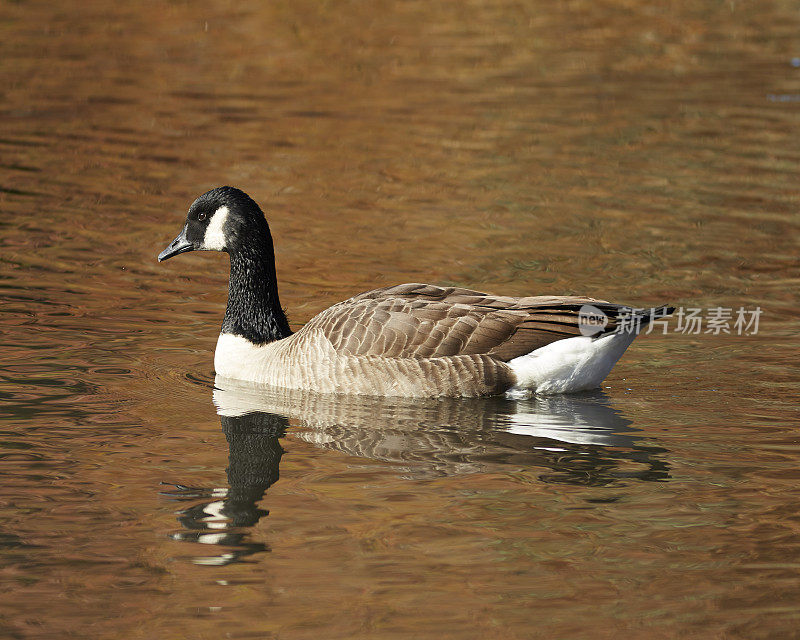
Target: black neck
x,y
254,311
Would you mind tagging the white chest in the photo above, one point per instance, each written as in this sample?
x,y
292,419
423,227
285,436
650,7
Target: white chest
x,y
237,357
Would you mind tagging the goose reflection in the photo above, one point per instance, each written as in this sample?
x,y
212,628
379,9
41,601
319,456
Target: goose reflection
x,y
223,517
579,439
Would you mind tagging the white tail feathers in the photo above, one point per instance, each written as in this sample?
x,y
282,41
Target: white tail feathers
x,y
569,365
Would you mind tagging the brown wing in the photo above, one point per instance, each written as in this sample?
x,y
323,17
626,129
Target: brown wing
x,y
423,321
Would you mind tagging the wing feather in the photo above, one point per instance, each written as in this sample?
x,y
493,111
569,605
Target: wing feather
x,y
423,321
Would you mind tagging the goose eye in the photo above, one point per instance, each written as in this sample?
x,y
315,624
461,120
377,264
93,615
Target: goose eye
x,y
201,216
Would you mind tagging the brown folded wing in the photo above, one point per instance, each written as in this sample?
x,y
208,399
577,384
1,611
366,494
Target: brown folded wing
x,y
425,321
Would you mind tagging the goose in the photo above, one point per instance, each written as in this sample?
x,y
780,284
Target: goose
x,y
412,340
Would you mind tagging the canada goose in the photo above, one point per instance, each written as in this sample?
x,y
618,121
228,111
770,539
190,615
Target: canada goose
x,y
414,339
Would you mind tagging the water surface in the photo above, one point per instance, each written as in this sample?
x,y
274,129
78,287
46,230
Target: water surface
x,y
643,154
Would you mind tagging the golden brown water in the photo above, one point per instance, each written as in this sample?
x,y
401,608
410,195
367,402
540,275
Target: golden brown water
x,y
637,152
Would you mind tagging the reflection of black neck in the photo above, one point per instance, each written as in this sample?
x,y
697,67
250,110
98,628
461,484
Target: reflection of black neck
x,y
224,516
254,310
255,454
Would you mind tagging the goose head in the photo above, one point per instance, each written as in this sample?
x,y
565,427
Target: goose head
x,y
227,219
223,219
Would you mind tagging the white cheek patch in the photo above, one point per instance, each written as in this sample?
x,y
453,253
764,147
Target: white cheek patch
x,y
214,239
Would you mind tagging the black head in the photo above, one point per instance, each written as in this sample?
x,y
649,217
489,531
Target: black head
x,y
223,219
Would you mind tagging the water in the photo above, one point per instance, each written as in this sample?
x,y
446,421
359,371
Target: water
x,y
643,154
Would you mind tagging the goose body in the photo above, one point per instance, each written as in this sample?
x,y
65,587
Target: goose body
x,y
414,340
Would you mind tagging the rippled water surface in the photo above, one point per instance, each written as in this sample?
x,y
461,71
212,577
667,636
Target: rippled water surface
x,y
638,152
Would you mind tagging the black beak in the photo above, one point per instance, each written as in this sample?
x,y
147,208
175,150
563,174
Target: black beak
x,y
178,245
